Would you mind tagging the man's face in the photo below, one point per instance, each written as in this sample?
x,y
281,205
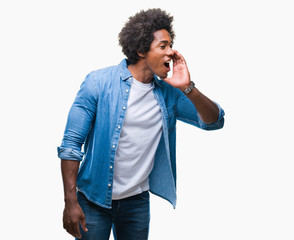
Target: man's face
x,y
160,54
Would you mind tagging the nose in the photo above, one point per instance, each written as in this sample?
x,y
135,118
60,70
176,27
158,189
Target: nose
x,y
170,52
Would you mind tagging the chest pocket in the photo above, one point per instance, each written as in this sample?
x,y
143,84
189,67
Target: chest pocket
x,y
171,116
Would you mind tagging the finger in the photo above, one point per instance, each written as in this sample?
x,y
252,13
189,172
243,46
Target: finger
x,y
69,229
67,226
176,57
74,229
77,233
180,57
83,223
175,54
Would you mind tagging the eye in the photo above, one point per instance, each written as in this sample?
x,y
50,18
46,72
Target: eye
x,y
162,47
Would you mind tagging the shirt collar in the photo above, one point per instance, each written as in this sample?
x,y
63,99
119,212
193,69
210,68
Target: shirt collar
x,y
125,73
158,81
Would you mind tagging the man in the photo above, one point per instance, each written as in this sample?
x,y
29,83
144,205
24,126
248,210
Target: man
x,y
125,116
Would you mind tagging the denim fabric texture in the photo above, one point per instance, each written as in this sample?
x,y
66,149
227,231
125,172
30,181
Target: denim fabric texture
x,y
129,218
96,119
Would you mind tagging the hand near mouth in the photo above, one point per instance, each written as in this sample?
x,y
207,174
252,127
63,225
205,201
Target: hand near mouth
x,y
181,76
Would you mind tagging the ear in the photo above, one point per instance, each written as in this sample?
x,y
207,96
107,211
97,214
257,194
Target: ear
x,y
142,55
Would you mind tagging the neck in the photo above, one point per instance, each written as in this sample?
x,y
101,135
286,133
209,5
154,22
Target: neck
x,y
140,72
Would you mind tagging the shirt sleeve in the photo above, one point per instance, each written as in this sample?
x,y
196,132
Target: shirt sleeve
x,y
187,112
79,121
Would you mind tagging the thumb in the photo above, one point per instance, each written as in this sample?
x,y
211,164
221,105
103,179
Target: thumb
x,y
83,223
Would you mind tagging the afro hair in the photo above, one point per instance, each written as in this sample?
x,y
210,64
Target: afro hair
x,y
137,34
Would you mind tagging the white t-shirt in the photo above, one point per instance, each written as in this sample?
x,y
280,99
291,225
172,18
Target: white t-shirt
x,y
138,142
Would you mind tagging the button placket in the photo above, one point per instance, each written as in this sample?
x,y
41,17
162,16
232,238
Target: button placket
x,y
117,133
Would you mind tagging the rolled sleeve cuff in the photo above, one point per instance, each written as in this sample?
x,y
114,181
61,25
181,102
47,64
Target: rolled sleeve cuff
x,y
69,154
216,125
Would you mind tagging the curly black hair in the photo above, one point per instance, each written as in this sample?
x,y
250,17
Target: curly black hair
x,y
137,34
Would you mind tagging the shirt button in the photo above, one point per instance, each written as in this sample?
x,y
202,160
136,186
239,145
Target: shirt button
x,y
109,185
110,167
118,127
124,108
113,146
127,90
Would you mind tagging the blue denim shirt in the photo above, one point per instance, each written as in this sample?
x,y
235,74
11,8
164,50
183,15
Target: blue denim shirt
x,y
96,119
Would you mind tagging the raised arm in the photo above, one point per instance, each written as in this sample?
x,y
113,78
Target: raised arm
x,y
208,110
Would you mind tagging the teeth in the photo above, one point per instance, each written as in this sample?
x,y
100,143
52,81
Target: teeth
x,y
168,61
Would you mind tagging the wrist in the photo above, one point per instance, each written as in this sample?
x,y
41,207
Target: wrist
x,y
187,89
70,201
70,197
182,88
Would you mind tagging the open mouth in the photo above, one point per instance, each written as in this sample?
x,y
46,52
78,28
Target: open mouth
x,y
166,64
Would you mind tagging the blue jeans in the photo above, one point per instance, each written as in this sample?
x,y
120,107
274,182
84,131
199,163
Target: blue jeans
x,y
128,217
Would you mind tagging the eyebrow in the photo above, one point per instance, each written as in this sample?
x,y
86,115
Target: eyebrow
x,y
166,42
